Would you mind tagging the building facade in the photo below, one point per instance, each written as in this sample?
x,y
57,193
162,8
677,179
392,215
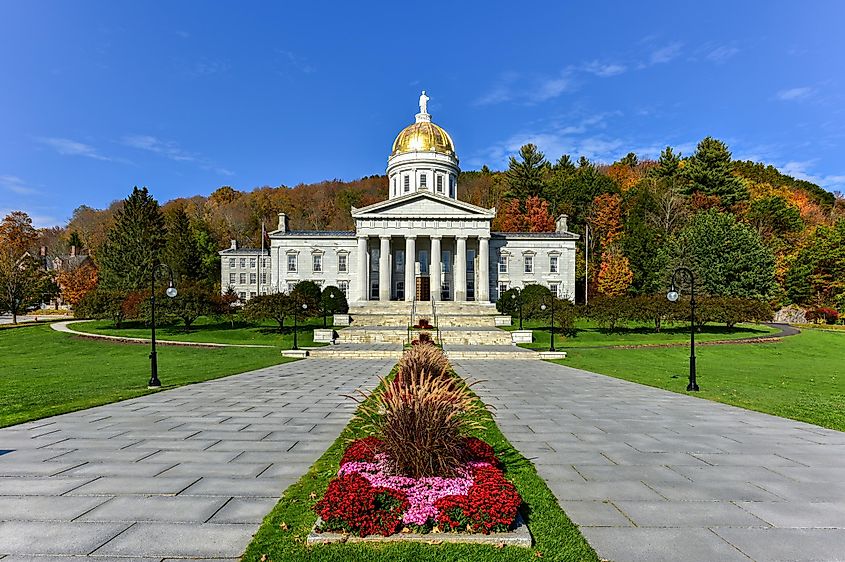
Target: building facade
x,y
421,243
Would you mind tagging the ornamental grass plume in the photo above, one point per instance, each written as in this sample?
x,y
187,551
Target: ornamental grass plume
x,y
422,359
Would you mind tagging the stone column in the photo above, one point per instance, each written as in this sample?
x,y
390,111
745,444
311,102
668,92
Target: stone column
x,y
410,261
460,275
483,289
384,268
363,269
434,270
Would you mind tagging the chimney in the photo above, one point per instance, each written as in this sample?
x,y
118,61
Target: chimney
x,y
233,244
560,224
283,222
73,251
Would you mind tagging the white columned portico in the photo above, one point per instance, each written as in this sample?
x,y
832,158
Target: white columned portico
x,y
363,268
410,267
435,268
461,269
384,268
483,289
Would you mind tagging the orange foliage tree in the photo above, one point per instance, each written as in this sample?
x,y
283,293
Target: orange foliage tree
x,y
606,218
615,275
76,283
537,215
510,217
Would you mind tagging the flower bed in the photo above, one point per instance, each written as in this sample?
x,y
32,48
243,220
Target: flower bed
x,y
366,498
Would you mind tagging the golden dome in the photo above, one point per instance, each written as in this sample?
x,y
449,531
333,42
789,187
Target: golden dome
x,y
423,136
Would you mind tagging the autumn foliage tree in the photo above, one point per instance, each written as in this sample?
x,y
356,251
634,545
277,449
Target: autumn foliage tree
x,y
615,273
75,283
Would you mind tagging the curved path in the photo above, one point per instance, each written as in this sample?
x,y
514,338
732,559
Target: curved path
x,y
65,327
183,473
652,475
785,330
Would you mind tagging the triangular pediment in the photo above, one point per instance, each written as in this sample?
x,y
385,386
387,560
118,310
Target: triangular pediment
x,y
422,205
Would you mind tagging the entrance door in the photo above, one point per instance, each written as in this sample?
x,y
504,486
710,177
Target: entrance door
x,y
423,288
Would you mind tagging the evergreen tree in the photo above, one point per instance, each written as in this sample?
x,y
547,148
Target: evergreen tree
x,y
180,250
74,240
727,256
710,172
133,244
629,160
526,176
564,164
668,164
818,274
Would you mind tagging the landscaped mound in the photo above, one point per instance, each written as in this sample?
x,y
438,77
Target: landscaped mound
x,y
419,471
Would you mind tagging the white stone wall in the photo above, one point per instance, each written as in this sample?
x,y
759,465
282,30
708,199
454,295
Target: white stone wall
x,y
541,249
304,248
247,289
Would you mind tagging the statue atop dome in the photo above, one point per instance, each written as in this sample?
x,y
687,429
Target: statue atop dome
x,y
424,102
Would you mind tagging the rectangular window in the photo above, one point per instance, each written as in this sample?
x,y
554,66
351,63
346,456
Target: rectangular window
x,y
291,263
471,289
400,290
503,288
529,264
399,262
252,262
439,184
243,263
264,277
471,261
232,279
555,289
265,262
452,186
252,294
252,278
444,290
553,264
231,263
317,263
341,263
242,295
374,259
291,286
395,190
374,290
446,261
423,261
423,180
407,184
503,263
243,278
344,287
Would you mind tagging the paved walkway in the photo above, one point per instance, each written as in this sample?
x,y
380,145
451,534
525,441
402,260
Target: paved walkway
x,y
65,327
651,475
184,473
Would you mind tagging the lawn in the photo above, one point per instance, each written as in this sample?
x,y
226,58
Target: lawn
x,y
283,532
44,372
214,331
801,377
633,333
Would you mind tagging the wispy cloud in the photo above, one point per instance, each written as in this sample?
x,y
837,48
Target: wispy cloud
x,y
172,151
69,147
793,94
604,69
801,170
665,53
722,53
512,86
296,62
39,219
16,185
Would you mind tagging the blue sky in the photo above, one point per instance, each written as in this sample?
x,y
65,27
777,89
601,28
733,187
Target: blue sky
x,y
186,96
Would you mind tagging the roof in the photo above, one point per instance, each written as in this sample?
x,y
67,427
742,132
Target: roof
x,y
408,205
245,251
313,234
559,235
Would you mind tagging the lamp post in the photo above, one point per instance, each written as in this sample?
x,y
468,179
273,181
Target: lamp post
x,y
552,332
304,308
673,295
517,298
171,293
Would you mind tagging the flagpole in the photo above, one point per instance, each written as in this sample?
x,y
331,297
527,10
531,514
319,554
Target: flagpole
x,y
586,262
260,259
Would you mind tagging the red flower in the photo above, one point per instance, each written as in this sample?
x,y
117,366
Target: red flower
x,y
478,450
361,450
490,505
352,505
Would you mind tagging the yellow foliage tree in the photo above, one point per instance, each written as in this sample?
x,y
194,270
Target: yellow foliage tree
x,y
615,275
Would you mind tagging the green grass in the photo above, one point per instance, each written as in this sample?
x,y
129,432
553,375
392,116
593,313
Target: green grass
x,y
801,377
633,333
44,372
213,331
555,536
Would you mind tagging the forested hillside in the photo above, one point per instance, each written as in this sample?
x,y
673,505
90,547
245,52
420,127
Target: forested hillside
x,y
747,229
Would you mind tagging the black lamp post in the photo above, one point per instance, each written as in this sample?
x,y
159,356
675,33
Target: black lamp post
x,y
673,295
171,292
552,332
517,298
304,308
332,296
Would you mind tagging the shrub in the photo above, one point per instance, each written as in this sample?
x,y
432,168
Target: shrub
x,y
308,293
277,306
607,311
533,297
490,505
423,339
336,304
422,420
823,314
353,505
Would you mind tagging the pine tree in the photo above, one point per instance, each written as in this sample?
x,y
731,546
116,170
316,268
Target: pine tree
x,y
526,176
180,250
133,244
629,160
75,241
668,164
710,172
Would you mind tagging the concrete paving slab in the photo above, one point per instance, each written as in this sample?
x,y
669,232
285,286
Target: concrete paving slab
x,y
688,514
595,513
46,508
156,508
180,540
69,538
34,486
660,545
245,510
787,545
125,485
234,487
